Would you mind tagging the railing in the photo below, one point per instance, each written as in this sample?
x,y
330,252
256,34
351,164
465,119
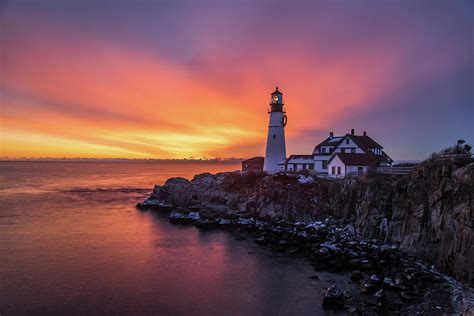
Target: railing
x,y
453,156
394,170
406,170
338,176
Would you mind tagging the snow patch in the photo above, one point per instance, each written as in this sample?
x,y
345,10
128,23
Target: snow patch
x,y
305,179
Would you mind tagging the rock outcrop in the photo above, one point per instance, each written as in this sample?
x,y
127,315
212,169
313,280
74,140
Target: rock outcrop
x,y
428,213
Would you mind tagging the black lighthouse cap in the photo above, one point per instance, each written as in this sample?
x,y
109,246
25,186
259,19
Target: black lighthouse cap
x,y
277,91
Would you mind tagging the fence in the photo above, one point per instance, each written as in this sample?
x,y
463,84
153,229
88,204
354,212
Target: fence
x,y
395,170
453,156
406,170
338,176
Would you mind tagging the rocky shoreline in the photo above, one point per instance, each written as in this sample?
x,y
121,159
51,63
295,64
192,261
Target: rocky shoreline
x,y
303,216
381,280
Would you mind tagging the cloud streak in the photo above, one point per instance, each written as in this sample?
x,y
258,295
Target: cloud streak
x,y
172,80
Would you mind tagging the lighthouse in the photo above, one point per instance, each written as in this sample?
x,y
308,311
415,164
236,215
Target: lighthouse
x,y
276,148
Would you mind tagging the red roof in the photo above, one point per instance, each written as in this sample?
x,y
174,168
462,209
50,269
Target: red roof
x,y
301,156
386,157
364,142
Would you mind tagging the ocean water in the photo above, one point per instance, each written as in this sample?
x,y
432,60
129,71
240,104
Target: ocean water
x,y
73,243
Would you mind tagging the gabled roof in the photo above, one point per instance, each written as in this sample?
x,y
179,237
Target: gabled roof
x,y
330,141
364,142
304,157
301,156
386,157
367,159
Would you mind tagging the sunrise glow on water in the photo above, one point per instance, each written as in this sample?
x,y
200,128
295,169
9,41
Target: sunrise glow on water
x,y
236,157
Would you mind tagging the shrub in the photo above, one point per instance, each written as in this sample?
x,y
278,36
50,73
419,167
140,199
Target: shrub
x,y
235,182
460,148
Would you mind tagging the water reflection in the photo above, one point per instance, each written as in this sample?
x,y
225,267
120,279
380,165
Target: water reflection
x,y
76,252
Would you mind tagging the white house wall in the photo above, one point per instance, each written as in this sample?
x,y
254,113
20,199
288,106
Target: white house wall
x,y
355,169
336,162
376,151
318,163
299,163
324,150
349,146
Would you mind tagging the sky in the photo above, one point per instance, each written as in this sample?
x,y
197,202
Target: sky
x,y
169,79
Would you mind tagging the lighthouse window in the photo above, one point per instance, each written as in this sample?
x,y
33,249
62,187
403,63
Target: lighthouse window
x,y
274,136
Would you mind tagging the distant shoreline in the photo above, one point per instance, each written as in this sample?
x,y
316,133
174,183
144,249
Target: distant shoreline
x,y
179,161
91,160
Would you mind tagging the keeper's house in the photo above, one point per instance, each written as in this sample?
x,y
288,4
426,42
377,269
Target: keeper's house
x,y
340,155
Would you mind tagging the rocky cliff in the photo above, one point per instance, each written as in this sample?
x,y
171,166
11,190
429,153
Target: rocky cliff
x,y
428,213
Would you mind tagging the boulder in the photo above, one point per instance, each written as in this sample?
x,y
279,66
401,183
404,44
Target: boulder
x,y
333,299
356,275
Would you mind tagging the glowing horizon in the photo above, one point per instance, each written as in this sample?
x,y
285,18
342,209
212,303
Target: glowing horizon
x,y
176,80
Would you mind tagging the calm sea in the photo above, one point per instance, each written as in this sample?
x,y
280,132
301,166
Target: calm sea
x,y
72,243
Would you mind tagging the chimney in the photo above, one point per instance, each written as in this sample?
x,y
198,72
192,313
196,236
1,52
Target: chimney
x,y
352,131
365,133
331,135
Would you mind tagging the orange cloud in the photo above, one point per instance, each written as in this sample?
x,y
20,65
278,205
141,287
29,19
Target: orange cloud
x,y
84,96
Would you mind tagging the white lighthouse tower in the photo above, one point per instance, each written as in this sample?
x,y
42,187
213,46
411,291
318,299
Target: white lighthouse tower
x,y
276,148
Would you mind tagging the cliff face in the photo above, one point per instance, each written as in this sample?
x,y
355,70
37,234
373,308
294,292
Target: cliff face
x,y
428,213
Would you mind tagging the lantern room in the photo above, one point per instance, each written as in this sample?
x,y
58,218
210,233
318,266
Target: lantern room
x,y
276,101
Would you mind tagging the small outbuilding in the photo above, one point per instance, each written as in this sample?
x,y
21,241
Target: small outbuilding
x,y
299,162
253,164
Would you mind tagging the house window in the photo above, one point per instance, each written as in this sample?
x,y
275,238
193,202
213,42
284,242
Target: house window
x,y
325,164
323,150
295,166
333,170
353,150
339,170
347,141
311,166
360,169
274,136
343,150
303,166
